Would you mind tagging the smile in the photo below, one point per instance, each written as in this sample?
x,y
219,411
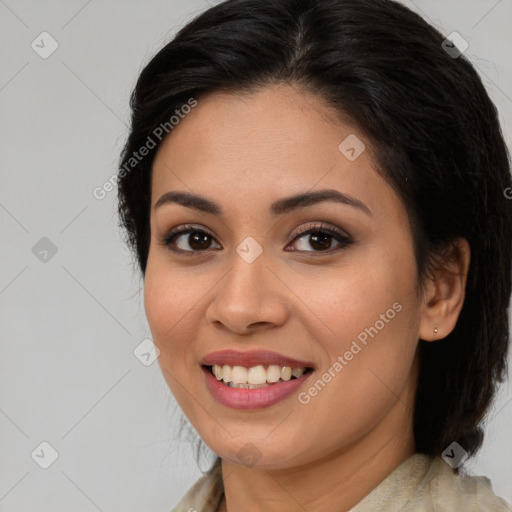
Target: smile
x,y
255,377
246,396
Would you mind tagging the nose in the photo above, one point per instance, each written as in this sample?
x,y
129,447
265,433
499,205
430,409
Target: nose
x,y
250,298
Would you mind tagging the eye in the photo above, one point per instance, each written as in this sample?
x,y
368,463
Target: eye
x,y
197,239
321,238
192,240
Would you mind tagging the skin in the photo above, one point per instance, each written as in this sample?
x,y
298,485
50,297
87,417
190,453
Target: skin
x,y
244,152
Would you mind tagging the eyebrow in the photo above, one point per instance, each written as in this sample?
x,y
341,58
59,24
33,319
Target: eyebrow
x,y
279,207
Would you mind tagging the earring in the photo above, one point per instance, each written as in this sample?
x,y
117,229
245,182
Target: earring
x,y
435,329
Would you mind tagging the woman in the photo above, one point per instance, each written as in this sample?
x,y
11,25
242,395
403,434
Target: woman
x,y
315,191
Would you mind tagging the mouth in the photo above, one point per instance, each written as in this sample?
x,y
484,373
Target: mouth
x,y
255,377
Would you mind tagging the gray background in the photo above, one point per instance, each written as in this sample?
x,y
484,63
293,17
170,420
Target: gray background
x,y
68,374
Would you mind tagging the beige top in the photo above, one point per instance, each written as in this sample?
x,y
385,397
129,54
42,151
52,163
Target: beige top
x,y
419,484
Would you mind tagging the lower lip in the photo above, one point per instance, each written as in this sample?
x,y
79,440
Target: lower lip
x,y
237,398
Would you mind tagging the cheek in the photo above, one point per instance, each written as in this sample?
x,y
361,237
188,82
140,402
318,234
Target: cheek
x,y
371,318
369,355
353,295
169,302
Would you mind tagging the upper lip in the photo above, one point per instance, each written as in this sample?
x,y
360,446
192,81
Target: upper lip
x,y
252,358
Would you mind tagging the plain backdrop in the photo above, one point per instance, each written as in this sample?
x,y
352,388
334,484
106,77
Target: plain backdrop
x,y
71,304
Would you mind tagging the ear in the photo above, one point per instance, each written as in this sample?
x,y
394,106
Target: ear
x,y
445,291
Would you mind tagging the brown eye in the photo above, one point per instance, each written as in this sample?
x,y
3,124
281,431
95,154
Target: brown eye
x,y
198,241
185,239
320,239
189,240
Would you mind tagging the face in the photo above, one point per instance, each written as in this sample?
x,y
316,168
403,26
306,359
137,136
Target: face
x,y
341,300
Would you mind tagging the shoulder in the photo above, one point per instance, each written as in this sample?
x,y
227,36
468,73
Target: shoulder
x,y
428,484
451,491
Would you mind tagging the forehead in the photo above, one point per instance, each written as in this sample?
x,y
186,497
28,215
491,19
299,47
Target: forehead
x,y
268,144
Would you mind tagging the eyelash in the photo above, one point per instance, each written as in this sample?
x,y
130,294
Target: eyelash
x,y
344,240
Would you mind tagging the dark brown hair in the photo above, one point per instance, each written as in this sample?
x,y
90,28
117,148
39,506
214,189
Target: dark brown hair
x,y
435,135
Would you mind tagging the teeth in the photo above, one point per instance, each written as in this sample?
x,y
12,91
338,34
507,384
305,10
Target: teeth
x,y
297,372
286,373
273,373
248,386
256,376
226,373
239,375
217,371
